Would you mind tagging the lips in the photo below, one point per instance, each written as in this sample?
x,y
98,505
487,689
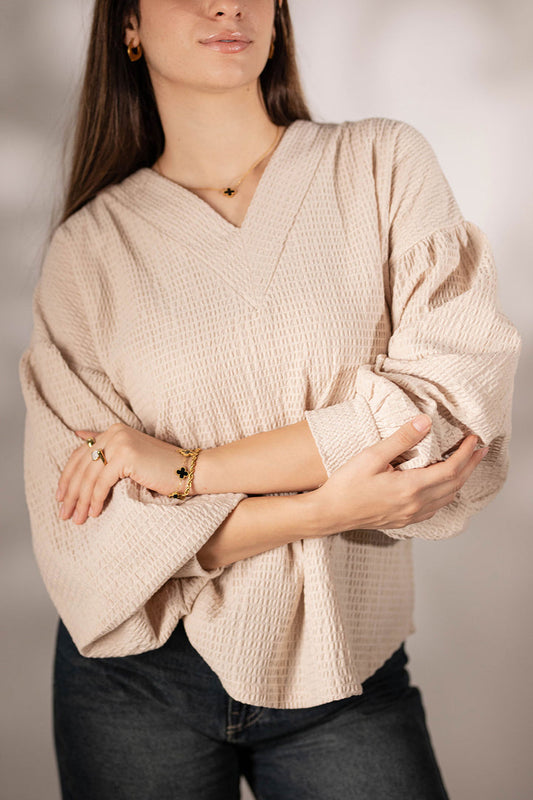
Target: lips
x,y
226,47
234,36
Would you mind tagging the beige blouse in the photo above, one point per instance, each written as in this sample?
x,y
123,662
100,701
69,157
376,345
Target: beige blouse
x,y
355,295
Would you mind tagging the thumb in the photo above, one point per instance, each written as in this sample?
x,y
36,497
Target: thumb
x,y
402,439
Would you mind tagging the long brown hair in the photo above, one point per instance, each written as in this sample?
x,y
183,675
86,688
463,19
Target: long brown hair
x,y
117,129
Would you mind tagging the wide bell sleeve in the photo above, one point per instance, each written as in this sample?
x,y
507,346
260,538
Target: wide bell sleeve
x,y
452,352
120,581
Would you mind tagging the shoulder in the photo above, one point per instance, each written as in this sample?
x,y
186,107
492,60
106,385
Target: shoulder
x,y
385,139
393,135
100,219
404,152
86,247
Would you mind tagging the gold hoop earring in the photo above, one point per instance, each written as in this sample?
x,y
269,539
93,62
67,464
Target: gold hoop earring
x,y
135,56
271,49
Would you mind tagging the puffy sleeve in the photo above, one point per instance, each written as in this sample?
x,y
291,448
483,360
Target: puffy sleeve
x,y
452,353
122,580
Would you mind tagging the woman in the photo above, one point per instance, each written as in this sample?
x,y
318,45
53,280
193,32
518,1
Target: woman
x,y
240,316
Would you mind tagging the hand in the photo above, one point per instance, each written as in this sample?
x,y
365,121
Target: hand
x,y
84,484
367,492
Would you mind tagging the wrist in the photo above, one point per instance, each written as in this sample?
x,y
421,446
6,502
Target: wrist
x,y
316,519
201,483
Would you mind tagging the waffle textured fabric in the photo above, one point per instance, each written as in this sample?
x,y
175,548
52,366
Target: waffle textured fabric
x,y
355,295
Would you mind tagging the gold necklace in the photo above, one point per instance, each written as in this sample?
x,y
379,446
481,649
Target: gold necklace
x,y
229,191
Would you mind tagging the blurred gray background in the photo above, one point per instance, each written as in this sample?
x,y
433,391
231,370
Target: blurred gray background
x,y
462,72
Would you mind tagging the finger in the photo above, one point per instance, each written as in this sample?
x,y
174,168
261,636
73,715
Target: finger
x,y
466,472
77,475
448,472
447,492
430,509
400,441
89,480
71,467
95,472
456,481
105,482
73,490
76,458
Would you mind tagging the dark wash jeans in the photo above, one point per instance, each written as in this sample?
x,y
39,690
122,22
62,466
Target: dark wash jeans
x,y
159,726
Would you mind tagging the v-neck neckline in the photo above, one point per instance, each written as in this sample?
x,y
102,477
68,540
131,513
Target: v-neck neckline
x,y
244,257
218,218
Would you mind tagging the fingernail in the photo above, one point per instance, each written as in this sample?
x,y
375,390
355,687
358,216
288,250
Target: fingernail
x,y
60,510
484,451
422,422
59,494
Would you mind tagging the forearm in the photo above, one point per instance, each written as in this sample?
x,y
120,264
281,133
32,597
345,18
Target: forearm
x,y
282,460
258,524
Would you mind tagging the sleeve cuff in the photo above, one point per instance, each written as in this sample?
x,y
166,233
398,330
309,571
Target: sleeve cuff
x,y
342,430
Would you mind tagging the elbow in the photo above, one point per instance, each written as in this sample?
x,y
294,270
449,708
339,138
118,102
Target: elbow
x,y
207,557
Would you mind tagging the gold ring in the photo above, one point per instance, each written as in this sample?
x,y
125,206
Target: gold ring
x,y
98,454
90,441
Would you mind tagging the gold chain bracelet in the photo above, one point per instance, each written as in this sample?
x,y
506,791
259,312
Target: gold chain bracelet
x,y
182,472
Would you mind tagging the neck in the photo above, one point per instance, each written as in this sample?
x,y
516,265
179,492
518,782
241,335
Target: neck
x,y
212,139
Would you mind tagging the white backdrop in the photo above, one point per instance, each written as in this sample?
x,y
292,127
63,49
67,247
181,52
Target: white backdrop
x,y
461,72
